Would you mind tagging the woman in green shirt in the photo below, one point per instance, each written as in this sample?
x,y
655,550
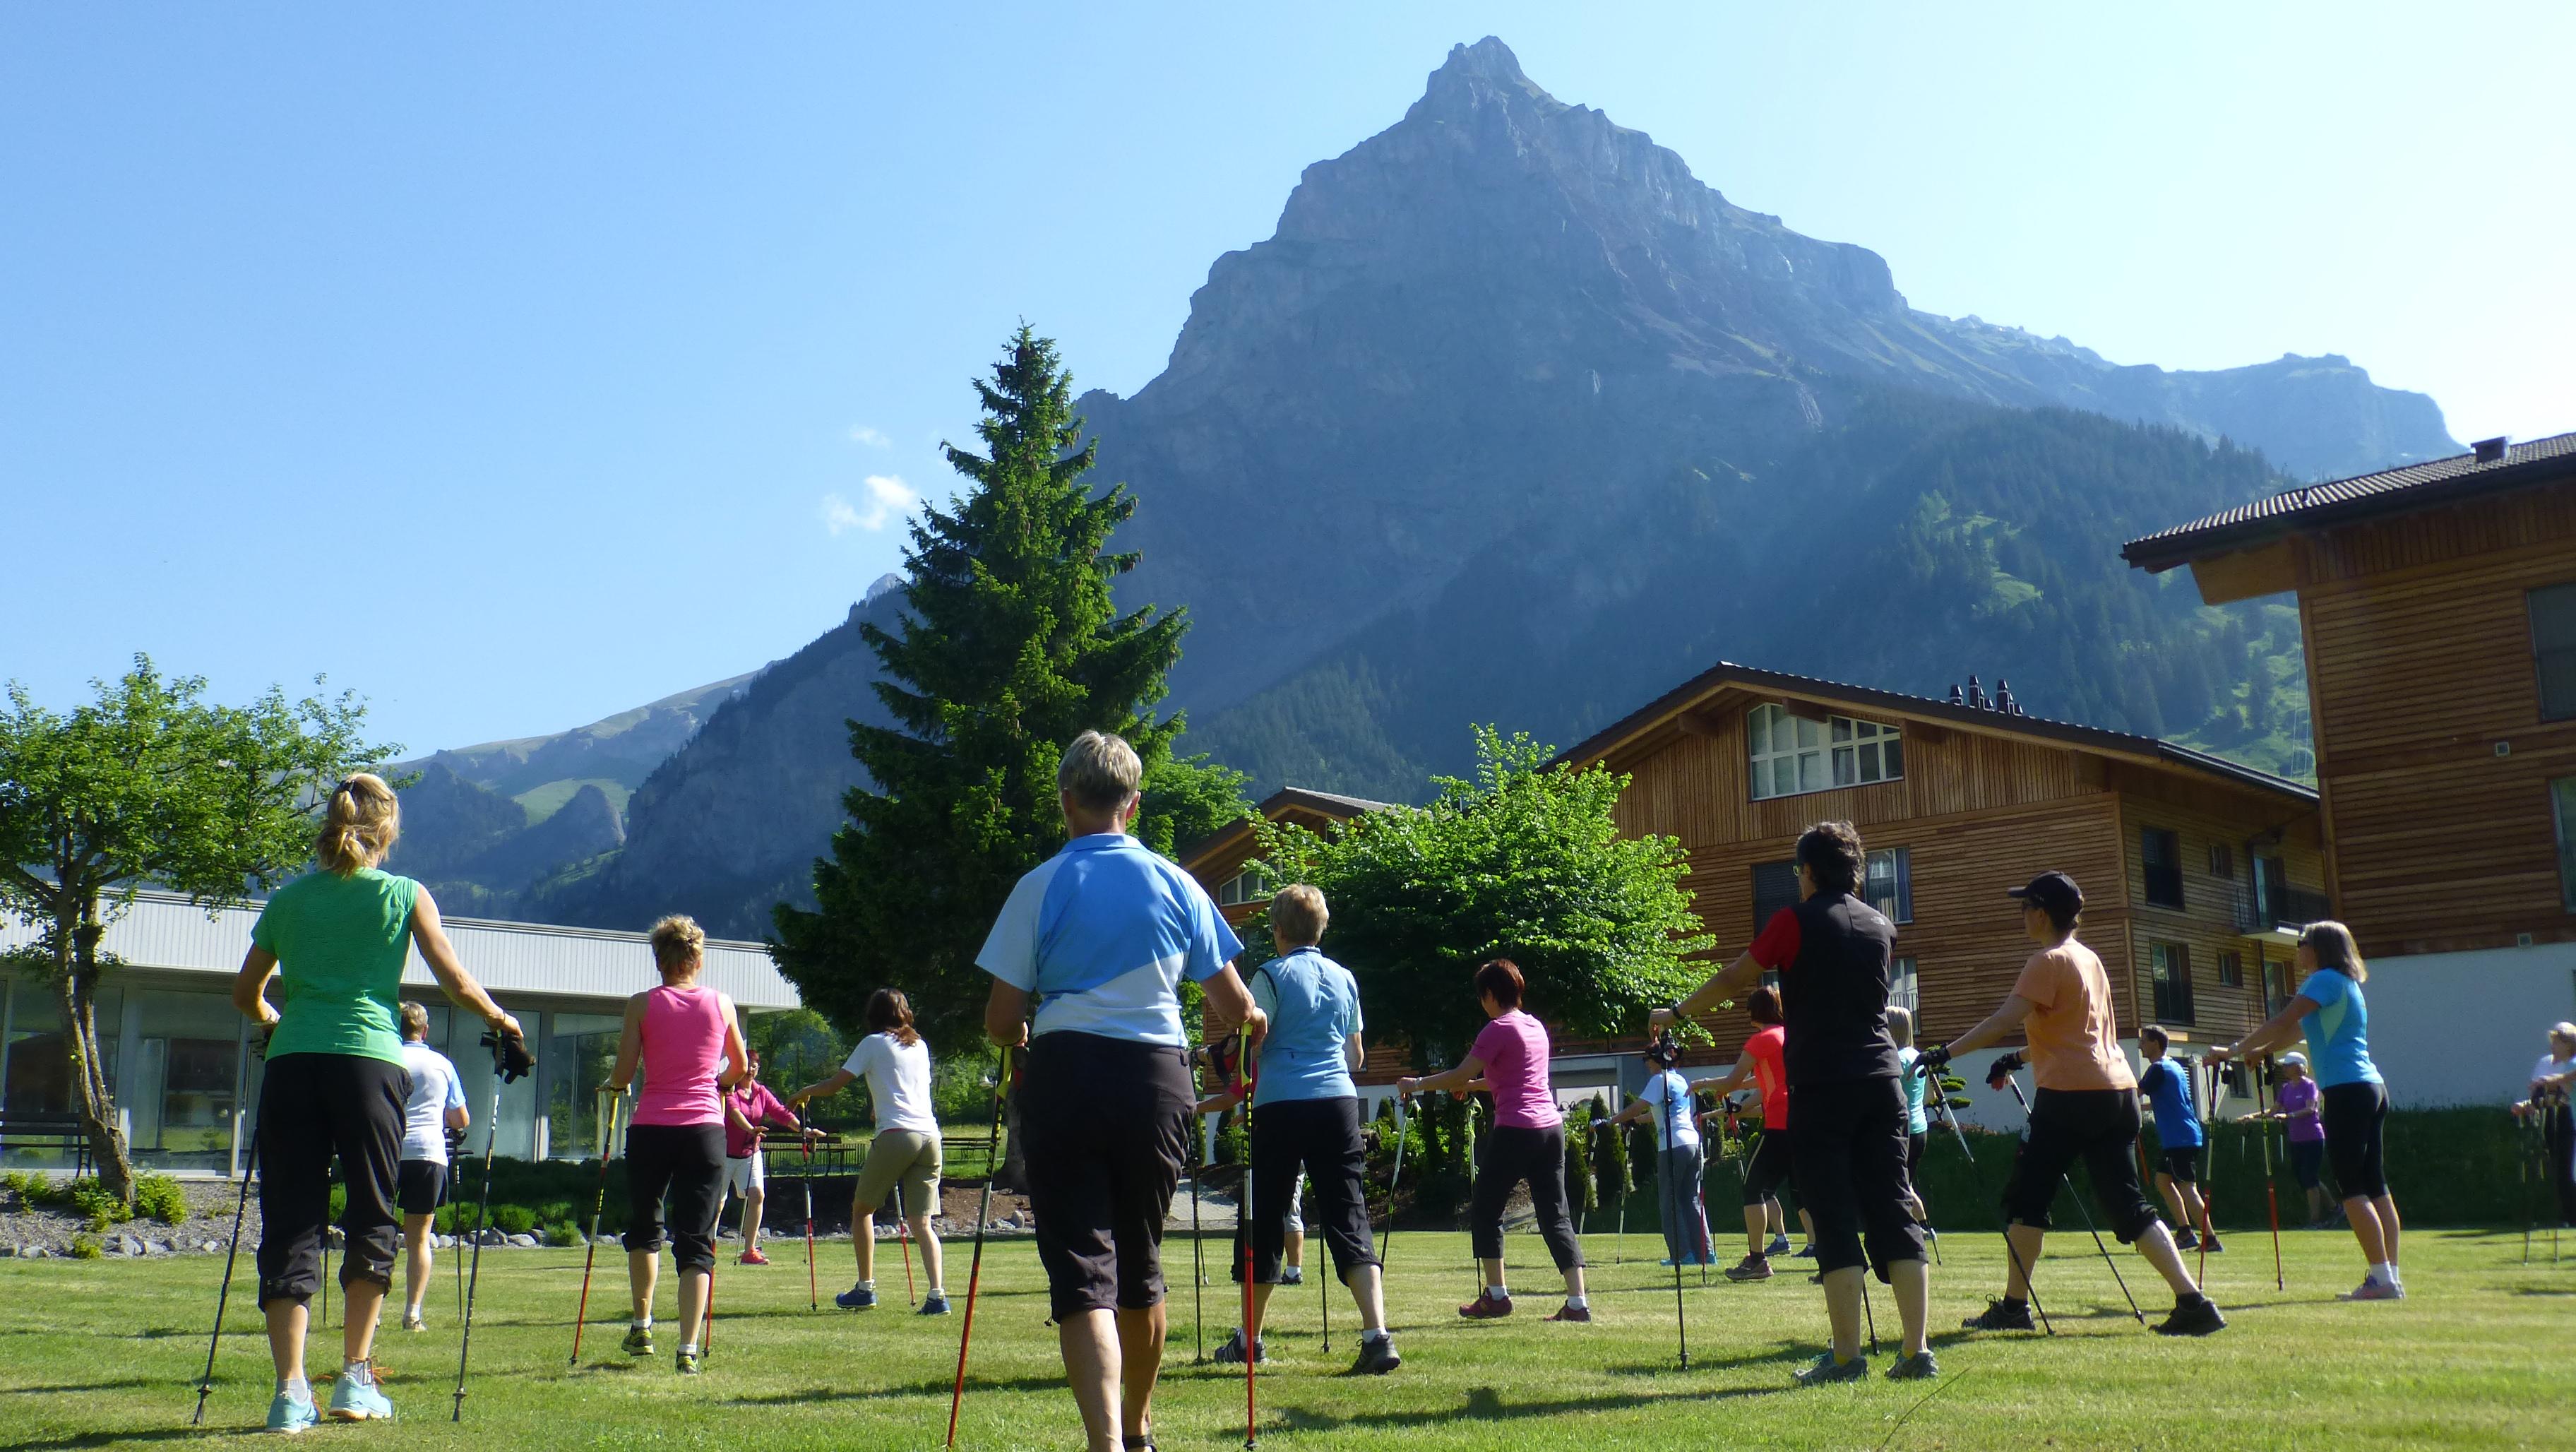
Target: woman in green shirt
x,y
337,940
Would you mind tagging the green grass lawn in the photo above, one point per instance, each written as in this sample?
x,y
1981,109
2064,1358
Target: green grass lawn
x,y
103,1353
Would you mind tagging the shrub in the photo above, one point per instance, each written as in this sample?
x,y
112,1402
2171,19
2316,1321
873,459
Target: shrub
x,y
555,1212
513,1219
87,1247
562,1232
339,1203
90,1198
160,1197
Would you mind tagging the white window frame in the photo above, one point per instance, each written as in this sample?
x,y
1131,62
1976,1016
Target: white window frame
x,y
1899,862
1790,756
1905,986
1250,885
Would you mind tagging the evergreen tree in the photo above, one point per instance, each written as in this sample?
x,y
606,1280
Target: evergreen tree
x,y
1010,647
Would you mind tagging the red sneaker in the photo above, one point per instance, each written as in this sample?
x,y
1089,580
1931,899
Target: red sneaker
x,y
1486,1307
754,1257
1578,1314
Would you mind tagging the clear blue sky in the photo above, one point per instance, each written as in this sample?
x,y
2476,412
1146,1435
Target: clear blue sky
x,y
517,364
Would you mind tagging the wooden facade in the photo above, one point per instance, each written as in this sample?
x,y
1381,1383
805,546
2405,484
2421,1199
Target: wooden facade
x,y
1987,801
2435,762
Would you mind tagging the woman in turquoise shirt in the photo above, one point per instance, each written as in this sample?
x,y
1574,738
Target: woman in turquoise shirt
x,y
335,1083
2328,1009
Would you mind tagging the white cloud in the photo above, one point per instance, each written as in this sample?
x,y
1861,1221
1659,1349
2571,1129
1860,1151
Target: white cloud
x,y
873,438
887,497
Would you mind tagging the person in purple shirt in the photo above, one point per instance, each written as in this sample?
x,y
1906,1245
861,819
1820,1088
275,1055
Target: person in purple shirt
x,y
2296,1095
1528,1142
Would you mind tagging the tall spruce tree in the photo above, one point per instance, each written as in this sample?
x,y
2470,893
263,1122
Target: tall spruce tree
x,y
1010,647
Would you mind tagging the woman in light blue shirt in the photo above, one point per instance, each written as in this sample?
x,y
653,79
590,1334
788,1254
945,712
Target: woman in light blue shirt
x,y
2328,1009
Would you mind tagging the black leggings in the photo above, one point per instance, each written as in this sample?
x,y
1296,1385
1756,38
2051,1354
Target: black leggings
x,y
686,1162
1505,1157
1847,1144
1323,1137
2099,1127
2562,1159
311,1107
2356,1118
1769,1170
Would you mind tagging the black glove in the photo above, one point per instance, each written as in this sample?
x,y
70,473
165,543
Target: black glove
x,y
2004,1067
1931,1061
510,1057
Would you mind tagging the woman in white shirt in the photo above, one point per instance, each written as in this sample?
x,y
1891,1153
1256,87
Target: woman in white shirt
x,y
904,1155
2549,1079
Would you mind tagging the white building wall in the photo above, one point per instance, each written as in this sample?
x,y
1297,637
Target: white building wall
x,y
2464,1028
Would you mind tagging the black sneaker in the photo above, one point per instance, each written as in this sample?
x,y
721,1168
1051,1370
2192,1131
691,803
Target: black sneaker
x,y
1292,1275
2213,1247
2184,1239
2197,1316
1825,1371
1804,1252
1231,1353
2002,1315
1918,1367
1377,1357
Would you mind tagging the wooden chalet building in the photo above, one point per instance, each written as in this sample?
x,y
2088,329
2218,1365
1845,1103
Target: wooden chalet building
x,y
2437,604
2189,862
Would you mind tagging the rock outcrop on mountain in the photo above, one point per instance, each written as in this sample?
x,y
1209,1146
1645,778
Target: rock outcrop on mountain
x,y
1516,420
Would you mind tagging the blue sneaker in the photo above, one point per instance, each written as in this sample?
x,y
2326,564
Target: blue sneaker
x,y
291,1414
353,1400
856,1298
1779,1246
931,1306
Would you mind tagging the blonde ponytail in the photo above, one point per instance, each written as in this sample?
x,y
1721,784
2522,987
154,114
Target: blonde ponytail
x,y
359,826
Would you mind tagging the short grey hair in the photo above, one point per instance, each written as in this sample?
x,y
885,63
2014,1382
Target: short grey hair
x,y
1100,771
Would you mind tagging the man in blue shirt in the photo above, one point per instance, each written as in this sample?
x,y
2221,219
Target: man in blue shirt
x,y
1098,938
1306,1116
2168,1087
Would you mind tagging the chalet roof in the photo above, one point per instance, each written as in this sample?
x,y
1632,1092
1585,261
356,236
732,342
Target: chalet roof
x,y
1274,806
2341,501
1970,718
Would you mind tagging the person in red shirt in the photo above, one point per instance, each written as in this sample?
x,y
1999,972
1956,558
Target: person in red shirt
x,y
1762,1064
1847,1116
747,1108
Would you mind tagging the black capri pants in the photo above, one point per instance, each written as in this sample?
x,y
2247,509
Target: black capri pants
x,y
1506,1156
1769,1168
311,1107
2099,1127
1322,1136
683,1165
2560,1128
1847,1147
2356,1117
1108,1121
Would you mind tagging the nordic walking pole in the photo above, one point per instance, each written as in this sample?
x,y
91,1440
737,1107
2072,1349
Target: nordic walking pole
x,y
607,1114
2069,1186
975,1267
510,1061
2271,1191
1323,1296
1386,1236
2029,1283
2200,1272
813,1288
1672,1226
903,1243
206,1383
1198,1247
1246,1078
707,1336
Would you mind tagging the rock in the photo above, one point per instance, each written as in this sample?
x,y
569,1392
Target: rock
x,y
35,1252
524,1242
8,1251
156,1247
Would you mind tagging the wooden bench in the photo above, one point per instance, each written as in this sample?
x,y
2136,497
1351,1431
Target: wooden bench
x,y
59,1132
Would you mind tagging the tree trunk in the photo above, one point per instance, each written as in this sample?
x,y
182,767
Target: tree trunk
x,y
76,954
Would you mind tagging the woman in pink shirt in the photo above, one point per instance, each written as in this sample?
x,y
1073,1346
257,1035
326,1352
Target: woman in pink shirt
x,y
689,1041
1528,1142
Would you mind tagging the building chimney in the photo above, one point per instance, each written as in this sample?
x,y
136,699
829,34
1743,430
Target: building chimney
x,y
2488,450
1957,699
2004,701
1977,695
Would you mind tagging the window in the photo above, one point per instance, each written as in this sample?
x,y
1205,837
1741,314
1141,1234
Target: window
x,y
2160,849
1890,887
2231,969
2276,986
2171,963
1789,755
2222,860
2562,797
1904,987
1775,886
1249,885
2553,649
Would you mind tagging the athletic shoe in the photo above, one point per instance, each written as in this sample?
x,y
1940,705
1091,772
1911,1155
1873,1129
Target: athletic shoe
x,y
754,1257
1825,1371
934,1306
2371,1290
2197,1316
1918,1367
353,1400
412,1321
1578,1315
639,1340
1779,1246
1231,1353
2212,1246
1377,1357
1751,1268
1292,1275
2184,1239
685,1362
2001,1315
1804,1252
1486,1307
1817,1279
290,1416
856,1298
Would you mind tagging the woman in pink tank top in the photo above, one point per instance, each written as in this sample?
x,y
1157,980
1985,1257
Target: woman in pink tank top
x,y
689,1042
